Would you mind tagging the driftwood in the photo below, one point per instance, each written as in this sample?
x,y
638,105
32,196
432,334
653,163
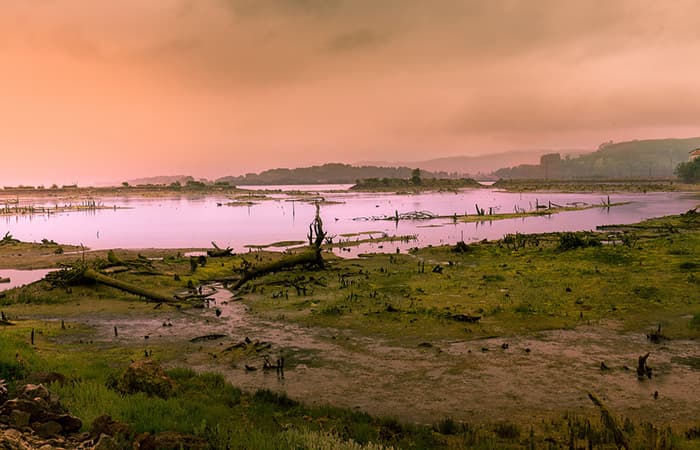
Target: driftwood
x,y
656,336
610,423
218,251
4,280
465,318
310,256
642,369
80,273
8,239
3,319
207,337
98,277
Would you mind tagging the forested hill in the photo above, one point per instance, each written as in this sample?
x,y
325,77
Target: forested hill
x,y
332,173
647,159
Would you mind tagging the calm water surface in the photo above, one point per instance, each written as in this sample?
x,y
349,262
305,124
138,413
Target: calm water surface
x,y
182,222
21,277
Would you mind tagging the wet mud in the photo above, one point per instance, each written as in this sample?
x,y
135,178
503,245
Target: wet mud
x,y
538,375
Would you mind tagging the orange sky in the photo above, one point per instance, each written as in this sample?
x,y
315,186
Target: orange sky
x,y
108,90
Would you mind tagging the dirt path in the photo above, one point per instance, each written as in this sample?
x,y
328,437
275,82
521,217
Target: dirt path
x,y
475,380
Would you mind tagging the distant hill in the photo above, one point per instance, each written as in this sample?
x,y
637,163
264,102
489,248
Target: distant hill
x,y
476,165
161,180
332,173
645,159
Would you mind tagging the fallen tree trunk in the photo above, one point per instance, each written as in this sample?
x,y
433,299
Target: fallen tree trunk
x,y
310,256
610,423
218,251
91,274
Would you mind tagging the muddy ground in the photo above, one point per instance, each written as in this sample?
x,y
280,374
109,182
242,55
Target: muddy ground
x,y
537,376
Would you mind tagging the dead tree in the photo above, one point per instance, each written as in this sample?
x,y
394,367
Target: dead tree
x,y
218,251
310,256
642,369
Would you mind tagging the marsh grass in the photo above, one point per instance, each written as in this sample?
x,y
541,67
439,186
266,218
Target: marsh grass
x,y
508,287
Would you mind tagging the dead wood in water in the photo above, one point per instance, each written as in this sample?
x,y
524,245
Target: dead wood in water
x,y
219,252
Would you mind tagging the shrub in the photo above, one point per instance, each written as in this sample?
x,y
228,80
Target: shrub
x,y
695,321
274,398
689,172
447,426
570,241
507,430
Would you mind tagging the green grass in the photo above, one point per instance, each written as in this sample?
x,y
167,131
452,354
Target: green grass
x,y
230,418
557,286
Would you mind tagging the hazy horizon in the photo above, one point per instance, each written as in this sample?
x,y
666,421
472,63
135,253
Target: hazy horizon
x,y
99,92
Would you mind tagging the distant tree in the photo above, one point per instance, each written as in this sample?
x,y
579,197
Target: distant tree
x,y
415,177
195,184
548,162
125,184
689,172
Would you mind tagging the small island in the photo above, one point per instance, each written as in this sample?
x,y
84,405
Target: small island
x,y
414,184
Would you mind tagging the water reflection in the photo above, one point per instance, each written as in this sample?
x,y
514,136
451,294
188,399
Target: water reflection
x,y
185,222
21,277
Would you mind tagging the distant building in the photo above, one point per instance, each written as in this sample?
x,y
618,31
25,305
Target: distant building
x,y
694,154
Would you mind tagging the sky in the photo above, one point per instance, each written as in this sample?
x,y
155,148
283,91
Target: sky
x,y
94,91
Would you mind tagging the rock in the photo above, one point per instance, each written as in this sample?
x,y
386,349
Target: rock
x,y
106,442
3,391
105,425
36,404
146,376
36,410
47,429
169,440
38,393
19,418
14,440
70,423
